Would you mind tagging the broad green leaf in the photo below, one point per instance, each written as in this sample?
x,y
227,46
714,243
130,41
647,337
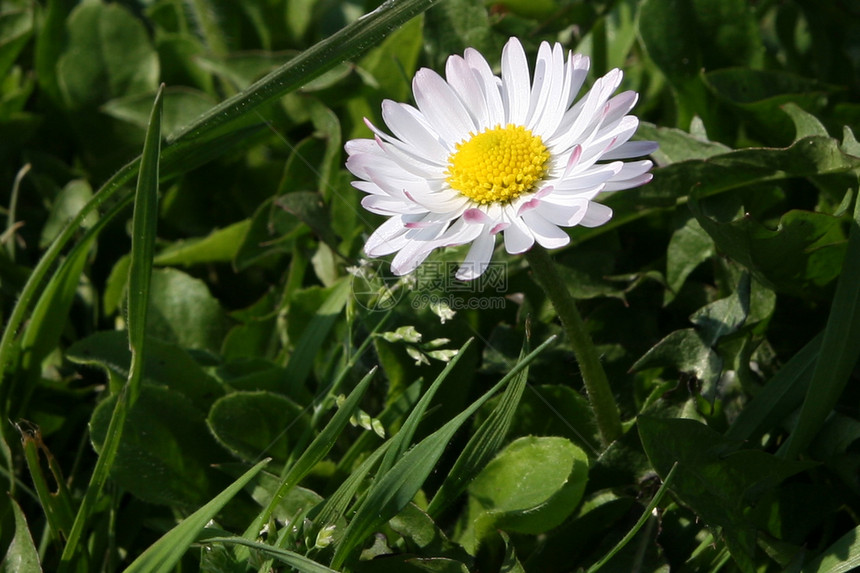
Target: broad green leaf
x,y
115,286
166,453
556,410
179,54
839,349
511,564
735,169
182,311
725,316
315,332
684,37
393,62
298,16
15,92
801,255
49,46
164,554
68,202
423,535
221,245
308,207
294,506
181,107
686,351
241,69
16,28
678,145
253,424
22,555
538,9
805,124
315,160
108,55
570,544
689,246
760,96
455,25
254,374
271,233
165,364
715,479
531,486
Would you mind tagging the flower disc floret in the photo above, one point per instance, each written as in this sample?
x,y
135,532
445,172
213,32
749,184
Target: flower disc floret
x,y
498,165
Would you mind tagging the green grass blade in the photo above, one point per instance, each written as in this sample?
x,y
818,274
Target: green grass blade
x,y
345,44
646,515
56,505
400,442
483,445
145,195
391,492
302,359
839,349
314,453
163,555
50,257
329,396
144,227
335,505
841,557
780,396
299,562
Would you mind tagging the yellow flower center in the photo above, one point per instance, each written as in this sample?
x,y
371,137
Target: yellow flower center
x,y
498,165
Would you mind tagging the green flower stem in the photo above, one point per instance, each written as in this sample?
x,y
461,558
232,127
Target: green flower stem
x,y
596,384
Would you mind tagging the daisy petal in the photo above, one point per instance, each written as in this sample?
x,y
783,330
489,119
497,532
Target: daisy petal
x,y
490,87
386,239
478,258
546,234
407,124
596,215
441,106
632,149
518,237
463,81
517,85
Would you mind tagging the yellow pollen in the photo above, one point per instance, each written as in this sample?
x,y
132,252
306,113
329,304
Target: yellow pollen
x,y
498,165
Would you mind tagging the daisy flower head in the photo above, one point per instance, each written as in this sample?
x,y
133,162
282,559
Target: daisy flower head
x,y
482,155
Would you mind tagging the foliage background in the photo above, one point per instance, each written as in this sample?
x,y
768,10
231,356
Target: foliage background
x,y
149,365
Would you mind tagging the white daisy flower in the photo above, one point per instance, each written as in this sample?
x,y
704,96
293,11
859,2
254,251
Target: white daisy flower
x,y
483,155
